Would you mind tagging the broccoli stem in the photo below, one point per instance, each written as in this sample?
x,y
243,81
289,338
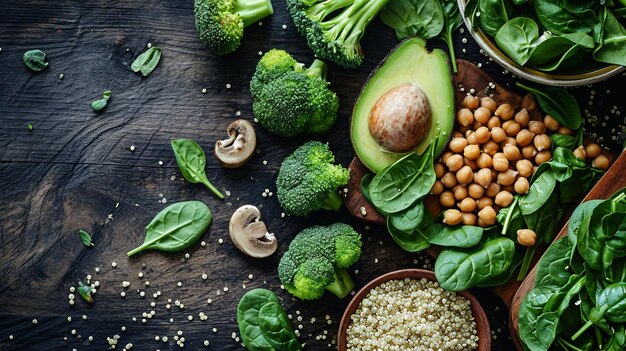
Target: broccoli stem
x,y
333,202
322,9
350,26
252,11
343,283
318,69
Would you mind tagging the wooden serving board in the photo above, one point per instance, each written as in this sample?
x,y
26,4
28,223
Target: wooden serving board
x,y
612,181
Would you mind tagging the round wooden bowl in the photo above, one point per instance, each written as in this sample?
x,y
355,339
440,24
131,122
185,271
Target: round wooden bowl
x,y
482,323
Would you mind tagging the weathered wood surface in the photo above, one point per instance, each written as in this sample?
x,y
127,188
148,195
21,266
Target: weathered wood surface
x,y
75,167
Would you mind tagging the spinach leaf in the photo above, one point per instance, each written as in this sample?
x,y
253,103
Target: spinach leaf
x,y
573,57
555,17
617,341
414,18
558,103
147,61
538,194
610,306
85,291
98,105
176,227
462,269
191,161
575,220
414,240
461,236
552,269
554,47
518,38
530,309
453,20
614,229
35,60
85,237
494,14
408,219
613,46
276,328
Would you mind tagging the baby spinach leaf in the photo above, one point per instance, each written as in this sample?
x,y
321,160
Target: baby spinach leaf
x,y
409,18
551,270
85,292
147,61
461,236
192,161
176,227
462,269
102,103
415,240
575,220
518,38
553,47
276,328
453,20
85,237
613,46
494,14
555,17
530,309
408,219
614,229
35,60
540,191
573,57
610,305
558,103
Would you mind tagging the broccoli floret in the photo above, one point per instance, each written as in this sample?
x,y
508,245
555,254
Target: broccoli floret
x,y
290,99
333,28
220,23
308,180
317,260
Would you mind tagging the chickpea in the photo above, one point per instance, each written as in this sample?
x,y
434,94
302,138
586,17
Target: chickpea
x,y
482,115
537,127
465,117
470,102
475,191
491,148
446,199
511,128
446,155
504,198
459,192
487,215
482,135
508,141
493,189
500,162
565,131
471,139
471,164
437,188
526,237
542,142
529,103
465,175
452,217
489,104
551,123
454,162
580,152
524,167
512,153
467,205
483,202
471,152
457,144
522,118
505,112
493,122
593,150
440,170
449,180
508,177
521,185
468,218
498,134
483,177
529,151
484,161
601,162
543,156
524,137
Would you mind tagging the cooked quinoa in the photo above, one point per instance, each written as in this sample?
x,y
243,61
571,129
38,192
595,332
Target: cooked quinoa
x,y
412,314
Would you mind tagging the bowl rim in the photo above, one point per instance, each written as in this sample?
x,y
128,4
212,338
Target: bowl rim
x,y
483,329
530,73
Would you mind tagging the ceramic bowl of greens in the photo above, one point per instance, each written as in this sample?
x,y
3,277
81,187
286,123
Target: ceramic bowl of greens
x,y
551,42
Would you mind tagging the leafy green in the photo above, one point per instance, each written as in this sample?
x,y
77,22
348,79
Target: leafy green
x,y
613,46
85,237
408,219
554,47
453,20
494,14
35,60
409,18
147,61
191,161
176,227
98,105
414,240
557,19
461,236
518,38
85,291
558,103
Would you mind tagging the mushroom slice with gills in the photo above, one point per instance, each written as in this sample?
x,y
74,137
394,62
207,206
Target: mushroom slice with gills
x,y
240,145
249,233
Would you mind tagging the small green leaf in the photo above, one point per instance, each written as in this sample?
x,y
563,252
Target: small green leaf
x,y
192,161
35,60
147,62
85,292
30,127
98,105
85,237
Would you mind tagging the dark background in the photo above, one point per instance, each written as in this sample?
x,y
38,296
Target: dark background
x,y
75,171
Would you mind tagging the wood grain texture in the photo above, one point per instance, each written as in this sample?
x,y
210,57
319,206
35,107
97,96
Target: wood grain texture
x,y
75,167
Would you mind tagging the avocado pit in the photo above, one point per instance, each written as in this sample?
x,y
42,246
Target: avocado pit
x,y
400,120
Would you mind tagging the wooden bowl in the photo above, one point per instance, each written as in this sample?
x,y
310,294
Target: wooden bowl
x,y
482,323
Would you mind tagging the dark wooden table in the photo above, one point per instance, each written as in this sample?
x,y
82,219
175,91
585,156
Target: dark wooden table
x,y
75,170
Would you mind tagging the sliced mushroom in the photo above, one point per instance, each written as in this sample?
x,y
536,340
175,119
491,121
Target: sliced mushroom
x,y
250,234
239,147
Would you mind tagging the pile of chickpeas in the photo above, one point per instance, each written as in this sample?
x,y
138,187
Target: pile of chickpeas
x,y
492,155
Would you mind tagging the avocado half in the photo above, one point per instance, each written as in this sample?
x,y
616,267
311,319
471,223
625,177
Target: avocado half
x,y
409,62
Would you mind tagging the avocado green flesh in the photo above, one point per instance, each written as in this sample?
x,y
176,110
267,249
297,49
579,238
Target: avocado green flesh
x,y
409,62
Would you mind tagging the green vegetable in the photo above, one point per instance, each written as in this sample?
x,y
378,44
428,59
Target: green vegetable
x,y
414,239
98,105
613,46
558,103
409,18
553,270
553,47
462,236
85,237
263,323
308,180
518,38
333,28
35,60
557,19
494,14
453,21
220,23
30,127
85,291
192,162
317,260
610,305
147,61
408,219
289,99
176,227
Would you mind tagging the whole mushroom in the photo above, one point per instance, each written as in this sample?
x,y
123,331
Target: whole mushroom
x,y
249,233
240,145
